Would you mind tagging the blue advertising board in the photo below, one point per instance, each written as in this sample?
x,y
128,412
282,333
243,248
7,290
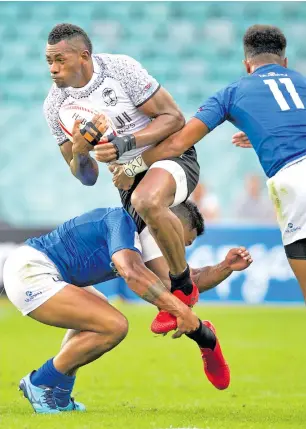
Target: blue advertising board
x,y
268,280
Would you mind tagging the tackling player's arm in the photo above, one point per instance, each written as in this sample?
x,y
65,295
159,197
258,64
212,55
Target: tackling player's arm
x,y
211,114
178,143
119,231
206,278
150,288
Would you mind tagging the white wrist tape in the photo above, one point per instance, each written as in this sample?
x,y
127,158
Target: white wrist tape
x,y
134,167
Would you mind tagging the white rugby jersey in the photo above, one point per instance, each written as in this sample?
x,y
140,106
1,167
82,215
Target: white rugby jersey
x,y
118,86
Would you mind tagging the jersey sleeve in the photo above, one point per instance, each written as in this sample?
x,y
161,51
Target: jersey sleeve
x,y
50,109
134,78
121,232
216,109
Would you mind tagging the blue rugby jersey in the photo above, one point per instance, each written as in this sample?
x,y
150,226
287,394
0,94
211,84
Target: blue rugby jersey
x,y
82,247
269,106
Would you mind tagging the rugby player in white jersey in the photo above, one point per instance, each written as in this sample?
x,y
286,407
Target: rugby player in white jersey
x,y
144,114
120,87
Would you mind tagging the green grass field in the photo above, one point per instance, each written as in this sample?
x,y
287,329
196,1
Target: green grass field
x,y
155,382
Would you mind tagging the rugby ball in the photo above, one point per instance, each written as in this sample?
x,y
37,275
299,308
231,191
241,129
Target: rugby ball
x,y
84,111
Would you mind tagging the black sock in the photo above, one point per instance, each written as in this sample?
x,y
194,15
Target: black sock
x,y
204,337
181,282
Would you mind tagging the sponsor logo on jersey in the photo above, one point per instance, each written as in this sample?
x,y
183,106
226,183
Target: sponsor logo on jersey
x,y
109,97
114,269
148,86
272,74
31,295
291,228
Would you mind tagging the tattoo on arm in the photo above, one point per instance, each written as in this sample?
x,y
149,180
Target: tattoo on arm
x,y
154,292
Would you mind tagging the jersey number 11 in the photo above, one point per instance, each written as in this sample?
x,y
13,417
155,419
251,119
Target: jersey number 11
x,y
279,96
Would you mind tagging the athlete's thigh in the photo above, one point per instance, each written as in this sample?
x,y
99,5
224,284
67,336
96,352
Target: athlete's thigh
x,y
96,292
75,308
72,332
160,268
157,183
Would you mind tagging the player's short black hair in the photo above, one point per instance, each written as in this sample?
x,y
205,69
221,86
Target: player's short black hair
x,y
264,39
190,212
67,32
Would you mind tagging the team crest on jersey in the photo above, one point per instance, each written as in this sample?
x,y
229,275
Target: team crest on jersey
x,y
109,97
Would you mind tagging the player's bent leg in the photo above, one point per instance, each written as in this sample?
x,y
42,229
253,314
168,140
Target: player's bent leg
x,y
152,199
98,328
102,326
62,392
72,332
152,203
165,185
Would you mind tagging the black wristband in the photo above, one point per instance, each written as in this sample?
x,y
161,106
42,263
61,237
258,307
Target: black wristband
x,y
124,144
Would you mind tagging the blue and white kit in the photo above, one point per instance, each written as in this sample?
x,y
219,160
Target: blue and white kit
x,y
269,106
78,252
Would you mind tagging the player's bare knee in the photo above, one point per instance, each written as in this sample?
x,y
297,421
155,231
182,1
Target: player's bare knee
x,y
148,205
118,329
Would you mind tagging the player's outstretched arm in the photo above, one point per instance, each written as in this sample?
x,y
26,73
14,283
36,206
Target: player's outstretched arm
x,y
150,288
178,143
206,278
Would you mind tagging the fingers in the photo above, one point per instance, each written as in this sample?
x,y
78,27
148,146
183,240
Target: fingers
x,y
105,152
112,168
244,145
76,127
177,334
120,185
100,122
241,140
244,254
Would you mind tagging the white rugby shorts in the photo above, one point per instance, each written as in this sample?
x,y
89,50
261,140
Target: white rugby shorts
x,y
30,278
287,190
179,176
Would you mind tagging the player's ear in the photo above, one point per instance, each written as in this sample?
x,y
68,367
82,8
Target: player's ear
x,y
85,55
247,66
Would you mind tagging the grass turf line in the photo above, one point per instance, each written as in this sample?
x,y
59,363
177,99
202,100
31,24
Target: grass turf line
x,y
157,383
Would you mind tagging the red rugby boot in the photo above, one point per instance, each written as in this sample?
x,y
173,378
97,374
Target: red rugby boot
x,y
164,322
215,366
